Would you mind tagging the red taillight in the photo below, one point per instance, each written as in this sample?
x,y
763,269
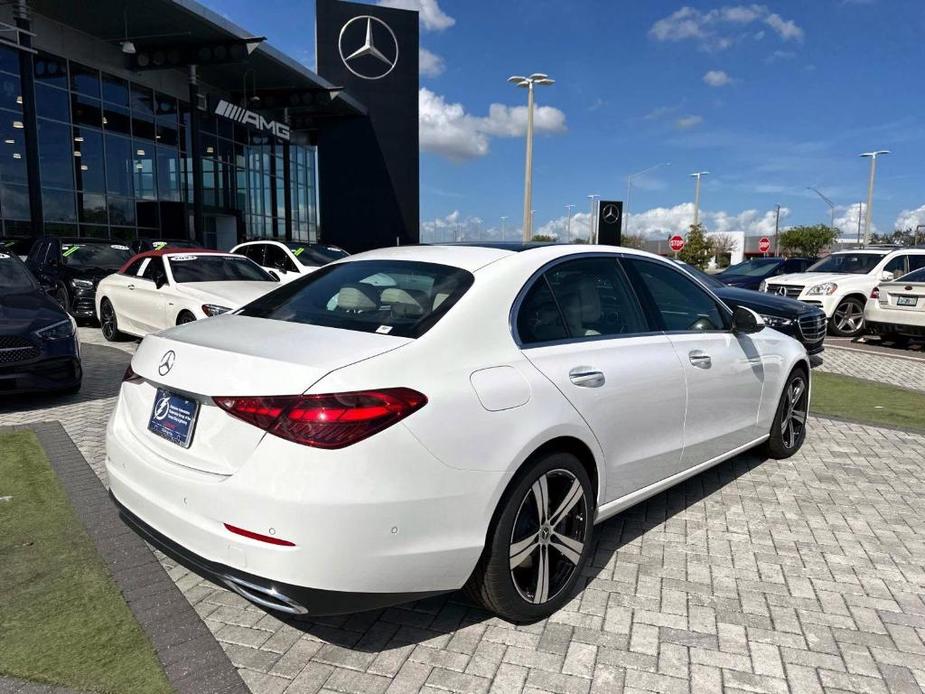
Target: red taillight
x,y
130,376
269,539
875,293
332,420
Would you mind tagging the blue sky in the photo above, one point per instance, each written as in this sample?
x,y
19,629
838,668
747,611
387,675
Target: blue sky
x,y
770,98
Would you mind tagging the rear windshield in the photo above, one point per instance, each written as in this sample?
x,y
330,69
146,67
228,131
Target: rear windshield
x,y
13,274
106,256
755,267
315,254
375,296
216,268
848,263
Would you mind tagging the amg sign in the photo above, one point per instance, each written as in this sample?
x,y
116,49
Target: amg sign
x,y
241,115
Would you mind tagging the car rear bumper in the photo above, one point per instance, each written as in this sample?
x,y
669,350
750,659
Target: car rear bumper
x,y
42,375
274,595
882,328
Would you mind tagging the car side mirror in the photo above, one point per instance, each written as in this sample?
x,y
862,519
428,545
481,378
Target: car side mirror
x,y
274,276
746,322
887,276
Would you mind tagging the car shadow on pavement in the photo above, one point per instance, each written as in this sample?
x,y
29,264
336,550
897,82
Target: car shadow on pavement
x,y
103,369
443,615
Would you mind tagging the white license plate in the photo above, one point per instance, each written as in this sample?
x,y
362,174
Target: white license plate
x,y
907,300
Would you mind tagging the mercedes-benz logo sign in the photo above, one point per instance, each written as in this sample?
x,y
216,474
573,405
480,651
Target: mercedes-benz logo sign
x,y
166,363
368,47
610,214
782,291
162,408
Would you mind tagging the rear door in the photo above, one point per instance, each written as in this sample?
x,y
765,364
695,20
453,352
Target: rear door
x,y
580,324
724,372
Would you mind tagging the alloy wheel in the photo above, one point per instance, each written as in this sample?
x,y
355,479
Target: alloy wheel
x,y
108,320
547,540
849,317
793,421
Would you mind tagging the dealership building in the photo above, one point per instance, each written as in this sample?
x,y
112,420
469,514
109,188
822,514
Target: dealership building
x,y
129,119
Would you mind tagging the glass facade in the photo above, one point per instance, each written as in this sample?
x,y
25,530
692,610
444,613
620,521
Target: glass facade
x,y
115,161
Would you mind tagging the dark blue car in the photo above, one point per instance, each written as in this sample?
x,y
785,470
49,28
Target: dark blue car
x,y
38,339
749,274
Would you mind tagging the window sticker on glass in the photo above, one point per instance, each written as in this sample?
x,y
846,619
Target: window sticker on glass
x,y
4,256
297,252
158,245
118,247
70,249
384,329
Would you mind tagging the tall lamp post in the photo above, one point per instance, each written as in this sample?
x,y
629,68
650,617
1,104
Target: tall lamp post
x,y
698,175
503,226
870,190
568,222
827,202
591,221
528,83
629,189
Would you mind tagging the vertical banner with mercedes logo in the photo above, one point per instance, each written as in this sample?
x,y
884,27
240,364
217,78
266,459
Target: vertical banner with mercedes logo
x,y
610,222
368,167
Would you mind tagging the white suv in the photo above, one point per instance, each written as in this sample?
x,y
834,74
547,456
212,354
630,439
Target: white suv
x,y
841,283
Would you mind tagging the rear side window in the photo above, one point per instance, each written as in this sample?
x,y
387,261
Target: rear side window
x,y
586,297
915,275
399,298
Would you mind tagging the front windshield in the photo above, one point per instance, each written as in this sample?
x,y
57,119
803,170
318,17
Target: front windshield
x,y
848,263
216,268
107,256
756,267
316,254
14,277
16,246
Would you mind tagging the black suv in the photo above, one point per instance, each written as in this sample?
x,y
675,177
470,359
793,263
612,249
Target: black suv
x,y
70,268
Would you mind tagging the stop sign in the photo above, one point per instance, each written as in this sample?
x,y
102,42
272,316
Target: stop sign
x,y
676,243
764,244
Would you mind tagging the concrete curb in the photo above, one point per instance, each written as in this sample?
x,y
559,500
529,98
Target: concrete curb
x,y
191,657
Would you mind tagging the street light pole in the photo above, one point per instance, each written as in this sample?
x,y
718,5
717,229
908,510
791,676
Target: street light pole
x,y
537,78
827,202
777,232
591,220
870,190
629,189
698,175
568,222
503,229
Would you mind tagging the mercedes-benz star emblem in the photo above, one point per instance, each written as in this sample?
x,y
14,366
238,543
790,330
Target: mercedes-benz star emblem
x,y
166,363
610,214
378,54
782,291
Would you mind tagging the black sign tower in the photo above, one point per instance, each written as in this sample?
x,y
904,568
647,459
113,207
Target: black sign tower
x,y
610,222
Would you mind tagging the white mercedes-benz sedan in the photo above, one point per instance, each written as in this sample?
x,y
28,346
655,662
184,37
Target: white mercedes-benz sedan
x,y
159,289
409,421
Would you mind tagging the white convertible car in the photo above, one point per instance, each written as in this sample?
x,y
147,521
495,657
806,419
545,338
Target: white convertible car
x,y
412,420
160,289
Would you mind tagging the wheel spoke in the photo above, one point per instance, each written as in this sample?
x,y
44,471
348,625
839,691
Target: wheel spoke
x,y
569,548
541,594
541,494
799,415
796,391
573,496
523,549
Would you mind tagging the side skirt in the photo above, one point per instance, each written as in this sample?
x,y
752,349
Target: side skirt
x,y
612,508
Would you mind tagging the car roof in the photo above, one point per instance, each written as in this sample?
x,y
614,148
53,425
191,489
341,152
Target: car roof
x,y
170,251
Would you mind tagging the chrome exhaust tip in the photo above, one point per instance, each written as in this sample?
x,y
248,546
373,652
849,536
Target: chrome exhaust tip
x,y
265,597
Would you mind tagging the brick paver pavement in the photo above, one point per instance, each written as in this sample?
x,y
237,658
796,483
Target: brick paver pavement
x,y
872,366
803,575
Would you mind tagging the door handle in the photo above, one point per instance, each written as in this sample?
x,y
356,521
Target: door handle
x,y
131,286
700,359
586,377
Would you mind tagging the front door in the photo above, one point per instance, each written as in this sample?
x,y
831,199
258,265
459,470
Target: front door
x,y
582,327
724,372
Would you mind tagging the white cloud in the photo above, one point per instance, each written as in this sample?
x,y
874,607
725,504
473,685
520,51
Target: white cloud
x,y
446,128
846,220
661,221
430,64
779,55
432,17
719,29
910,219
717,78
560,230
686,122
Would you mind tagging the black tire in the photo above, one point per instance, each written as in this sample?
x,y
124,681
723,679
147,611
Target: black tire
x,y
561,543
185,317
109,322
788,431
62,297
848,318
